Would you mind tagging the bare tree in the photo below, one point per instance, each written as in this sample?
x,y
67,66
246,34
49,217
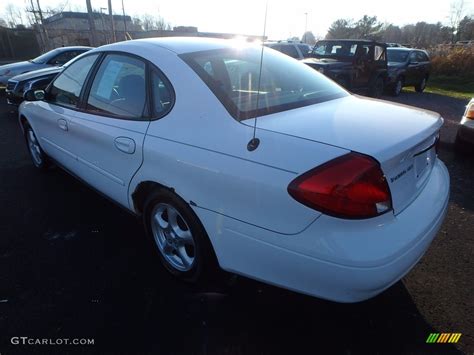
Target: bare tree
x,y
309,38
91,23
149,22
455,16
3,23
14,15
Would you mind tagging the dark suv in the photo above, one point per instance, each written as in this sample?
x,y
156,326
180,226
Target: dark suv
x,y
295,50
407,67
358,65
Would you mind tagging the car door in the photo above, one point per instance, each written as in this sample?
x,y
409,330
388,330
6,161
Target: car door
x,y
108,133
363,63
52,117
413,75
424,64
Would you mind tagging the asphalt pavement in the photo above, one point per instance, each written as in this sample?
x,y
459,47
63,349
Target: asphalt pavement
x,y
73,265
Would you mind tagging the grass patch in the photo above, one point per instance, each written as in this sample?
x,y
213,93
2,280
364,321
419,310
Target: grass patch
x,y
453,86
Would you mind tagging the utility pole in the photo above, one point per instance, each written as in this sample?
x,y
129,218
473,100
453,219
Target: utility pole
x,y
104,31
124,21
91,23
43,31
112,23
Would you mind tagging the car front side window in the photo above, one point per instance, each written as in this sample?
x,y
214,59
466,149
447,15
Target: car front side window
x,y
119,87
66,89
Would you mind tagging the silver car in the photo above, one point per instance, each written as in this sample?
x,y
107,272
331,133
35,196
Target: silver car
x,y
55,58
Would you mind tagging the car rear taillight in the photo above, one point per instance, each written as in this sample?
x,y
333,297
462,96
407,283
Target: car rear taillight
x,y
470,111
351,186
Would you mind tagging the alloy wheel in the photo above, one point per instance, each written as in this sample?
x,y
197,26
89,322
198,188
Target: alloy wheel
x,y
173,237
34,148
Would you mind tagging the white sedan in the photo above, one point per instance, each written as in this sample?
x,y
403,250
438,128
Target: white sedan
x,y
273,172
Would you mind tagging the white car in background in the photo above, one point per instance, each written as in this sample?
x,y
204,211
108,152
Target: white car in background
x,y
332,195
465,135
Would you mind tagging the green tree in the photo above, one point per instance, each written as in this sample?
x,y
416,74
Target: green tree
x,y
368,27
340,29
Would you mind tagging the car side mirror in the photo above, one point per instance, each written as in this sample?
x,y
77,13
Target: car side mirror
x,y
34,95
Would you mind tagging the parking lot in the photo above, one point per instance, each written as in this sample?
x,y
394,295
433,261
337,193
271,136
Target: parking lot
x,y
73,265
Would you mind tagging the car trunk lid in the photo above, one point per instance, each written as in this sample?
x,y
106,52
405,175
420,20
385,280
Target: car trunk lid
x,y
400,137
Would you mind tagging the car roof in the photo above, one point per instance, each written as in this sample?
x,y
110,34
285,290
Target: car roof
x,y
405,49
368,41
69,48
178,45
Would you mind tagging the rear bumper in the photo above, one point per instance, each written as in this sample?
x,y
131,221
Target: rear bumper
x,y
335,259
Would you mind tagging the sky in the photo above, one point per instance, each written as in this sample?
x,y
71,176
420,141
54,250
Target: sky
x,y
284,18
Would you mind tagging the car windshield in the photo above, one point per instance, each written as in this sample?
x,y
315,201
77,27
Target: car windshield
x,y
43,58
233,75
397,56
335,49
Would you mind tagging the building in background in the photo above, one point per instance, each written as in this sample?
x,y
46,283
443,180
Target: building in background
x,y
72,29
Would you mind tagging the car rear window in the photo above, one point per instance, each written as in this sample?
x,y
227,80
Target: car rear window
x,y
233,75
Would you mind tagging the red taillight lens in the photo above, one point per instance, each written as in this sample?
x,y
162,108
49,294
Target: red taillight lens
x,y
351,186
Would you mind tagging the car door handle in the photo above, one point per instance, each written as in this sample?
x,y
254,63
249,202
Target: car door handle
x,y
125,144
62,123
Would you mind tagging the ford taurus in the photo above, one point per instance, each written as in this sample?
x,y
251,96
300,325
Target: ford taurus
x,y
241,158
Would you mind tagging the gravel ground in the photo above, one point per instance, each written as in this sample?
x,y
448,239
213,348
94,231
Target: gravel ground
x,y
73,265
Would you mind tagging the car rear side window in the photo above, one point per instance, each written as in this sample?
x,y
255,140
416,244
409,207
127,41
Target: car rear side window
x,y
119,87
284,83
422,57
64,57
66,89
379,53
163,94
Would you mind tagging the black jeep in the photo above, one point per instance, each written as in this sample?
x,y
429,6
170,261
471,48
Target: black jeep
x,y
358,65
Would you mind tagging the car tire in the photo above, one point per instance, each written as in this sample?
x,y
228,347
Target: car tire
x,y
377,87
396,88
38,156
420,87
181,241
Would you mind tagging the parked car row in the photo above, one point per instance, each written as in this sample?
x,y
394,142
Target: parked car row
x,y
364,66
327,193
36,73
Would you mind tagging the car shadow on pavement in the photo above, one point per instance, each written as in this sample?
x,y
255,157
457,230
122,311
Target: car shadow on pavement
x,y
258,319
